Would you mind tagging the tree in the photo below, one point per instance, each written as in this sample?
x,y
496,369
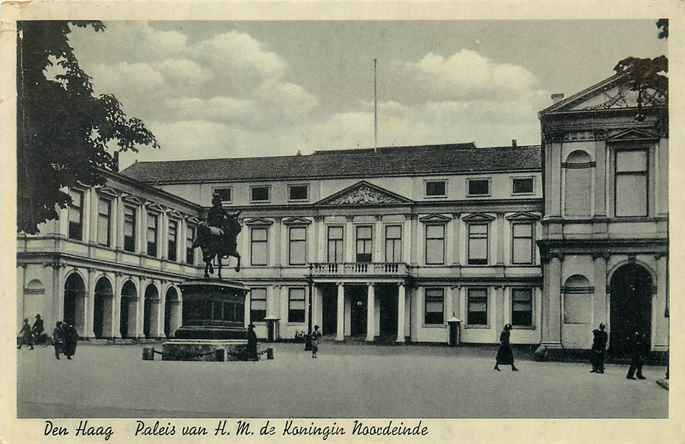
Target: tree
x,y
646,75
63,129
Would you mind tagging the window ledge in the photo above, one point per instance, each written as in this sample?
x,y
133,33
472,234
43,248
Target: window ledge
x,y
441,196
523,327
478,327
479,195
443,325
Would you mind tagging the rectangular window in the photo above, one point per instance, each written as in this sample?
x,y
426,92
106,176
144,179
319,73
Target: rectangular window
x,y
259,194
172,242
335,245
522,307
477,306
298,245
129,228
296,305
631,183
435,244
522,185
434,310
152,234
364,243
393,243
436,188
190,251
104,221
76,215
298,192
522,243
257,304
259,247
478,187
478,244
224,194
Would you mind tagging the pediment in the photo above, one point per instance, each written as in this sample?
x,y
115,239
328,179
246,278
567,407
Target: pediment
x,y
131,199
296,221
434,219
364,194
107,191
154,207
477,217
611,93
632,134
175,214
258,221
522,215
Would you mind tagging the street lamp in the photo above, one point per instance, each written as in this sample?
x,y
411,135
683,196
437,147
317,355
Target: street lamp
x,y
308,338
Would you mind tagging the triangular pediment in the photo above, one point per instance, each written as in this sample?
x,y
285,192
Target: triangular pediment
x,y
107,191
611,93
522,215
296,221
364,194
434,219
632,134
477,217
154,207
131,199
258,221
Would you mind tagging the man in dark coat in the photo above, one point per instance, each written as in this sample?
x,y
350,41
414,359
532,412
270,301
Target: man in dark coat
x,y
70,339
58,339
25,336
599,344
251,343
638,344
38,329
505,355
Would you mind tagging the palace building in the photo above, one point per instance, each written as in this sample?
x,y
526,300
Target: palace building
x,y
388,244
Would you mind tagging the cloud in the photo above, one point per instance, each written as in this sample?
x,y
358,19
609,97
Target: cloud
x,y
467,75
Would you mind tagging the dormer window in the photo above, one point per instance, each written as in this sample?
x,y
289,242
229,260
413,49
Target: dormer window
x,y
478,187
298,192
436,188
522,185
260,193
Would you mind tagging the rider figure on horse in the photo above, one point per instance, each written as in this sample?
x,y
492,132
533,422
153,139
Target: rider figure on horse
x,y
217,217
217,236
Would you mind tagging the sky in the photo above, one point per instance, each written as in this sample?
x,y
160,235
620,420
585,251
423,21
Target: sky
x,y
239,89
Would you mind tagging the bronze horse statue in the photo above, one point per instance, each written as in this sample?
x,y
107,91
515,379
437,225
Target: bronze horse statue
x,y
216,245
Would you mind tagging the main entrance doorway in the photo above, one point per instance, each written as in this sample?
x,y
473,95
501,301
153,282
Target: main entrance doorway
x,y
329,309
631,306
358,308
387,298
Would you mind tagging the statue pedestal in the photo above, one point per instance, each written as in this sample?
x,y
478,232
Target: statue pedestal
x,y
213,326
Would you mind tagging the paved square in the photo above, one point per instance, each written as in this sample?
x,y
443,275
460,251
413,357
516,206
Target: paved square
x,y
345,381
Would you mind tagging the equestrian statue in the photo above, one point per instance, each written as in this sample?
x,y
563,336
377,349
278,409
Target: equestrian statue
x,y
217,237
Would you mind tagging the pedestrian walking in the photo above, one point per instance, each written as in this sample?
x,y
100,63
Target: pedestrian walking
x,y
70,339
37,330
58,339
599,344
637,343
316,335
505,355
251,343
25,335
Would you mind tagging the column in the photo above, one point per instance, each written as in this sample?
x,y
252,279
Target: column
x,y
499,238
140,309
116,307
141,221
599,306
58,293
499,309
449,246
317,306
552,313
277,248
283,311
553,169
119,230
114,222
662,185
160,308
246,314
401,293
406,239
89,306
63,224
370,311
340,316
181,243
349,240
163,235
456,245
321,228
600,178
378,241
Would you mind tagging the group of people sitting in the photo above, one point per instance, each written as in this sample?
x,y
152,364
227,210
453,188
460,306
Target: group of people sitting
x,y
64,336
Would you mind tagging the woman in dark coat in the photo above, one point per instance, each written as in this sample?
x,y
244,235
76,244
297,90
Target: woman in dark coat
x,y
58,339
251,344
70,339
505,355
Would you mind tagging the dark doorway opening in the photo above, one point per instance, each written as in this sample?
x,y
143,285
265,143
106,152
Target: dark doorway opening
x,y
127,311
631,307
74,294
387,296
358,307
329,310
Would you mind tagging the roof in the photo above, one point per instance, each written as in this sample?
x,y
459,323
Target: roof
x,y
386,161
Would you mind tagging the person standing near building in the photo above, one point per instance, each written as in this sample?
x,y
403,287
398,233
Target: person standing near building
x,y
251,343
637,343
599,344
505,355
316,335
38,329
25,336
70,339
58,339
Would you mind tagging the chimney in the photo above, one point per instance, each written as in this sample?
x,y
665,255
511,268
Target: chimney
x,y
557,97
513,143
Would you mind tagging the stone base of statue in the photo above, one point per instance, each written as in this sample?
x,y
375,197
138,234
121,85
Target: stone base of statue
x,y
213,326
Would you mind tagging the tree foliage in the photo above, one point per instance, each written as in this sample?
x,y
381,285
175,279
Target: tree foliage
x,y
644,74
63,128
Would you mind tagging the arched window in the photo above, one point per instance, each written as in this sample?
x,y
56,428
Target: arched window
x,y
577,300
578,186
